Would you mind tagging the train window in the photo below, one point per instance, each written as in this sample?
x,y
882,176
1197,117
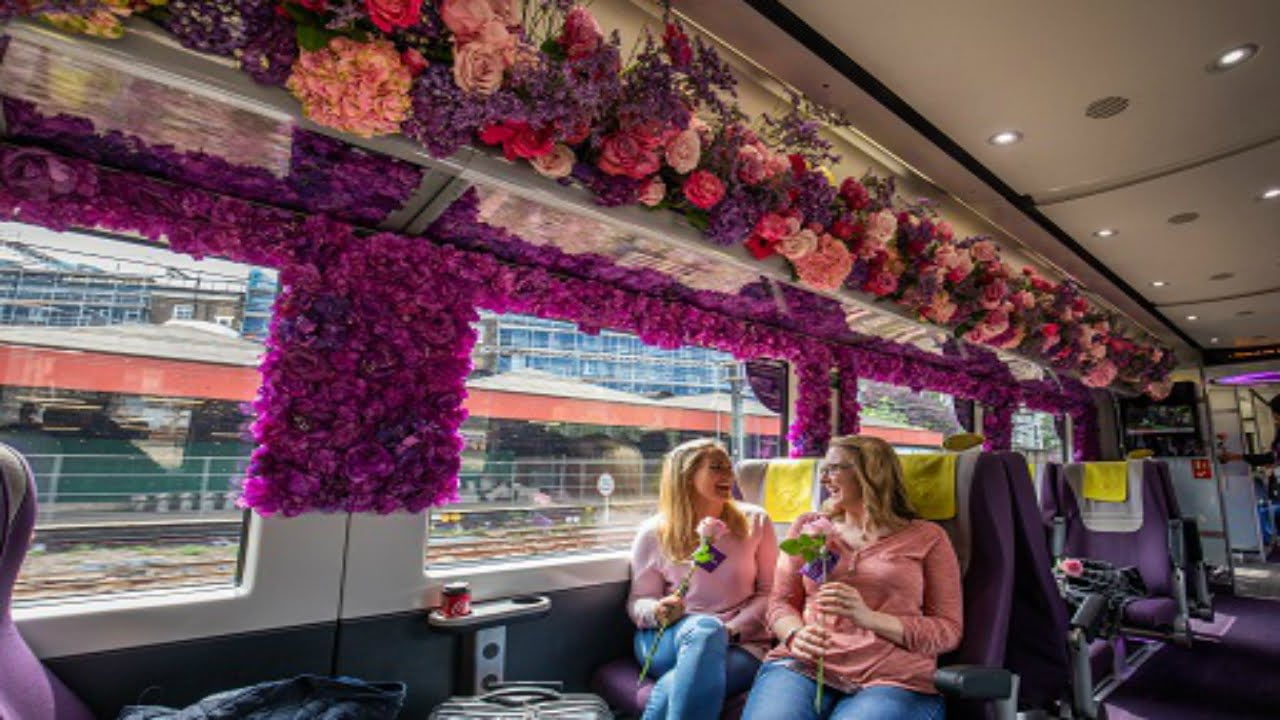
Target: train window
x,y
911,421
557,415
1038,436
134,422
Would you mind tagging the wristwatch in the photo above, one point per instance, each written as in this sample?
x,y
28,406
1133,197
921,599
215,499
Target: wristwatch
x,y
786,641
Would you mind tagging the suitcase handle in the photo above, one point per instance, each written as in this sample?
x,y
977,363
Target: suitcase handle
x,y
520,696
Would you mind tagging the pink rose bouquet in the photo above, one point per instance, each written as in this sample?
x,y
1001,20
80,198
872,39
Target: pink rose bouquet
x,y
360,88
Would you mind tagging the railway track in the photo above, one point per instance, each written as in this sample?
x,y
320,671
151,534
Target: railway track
x,y
64,536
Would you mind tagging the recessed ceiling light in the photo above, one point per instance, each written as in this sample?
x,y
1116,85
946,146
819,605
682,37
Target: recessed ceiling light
x,y
1271,193
1007,137
1235,56
1158,283
1193,317
1105,232
1213,340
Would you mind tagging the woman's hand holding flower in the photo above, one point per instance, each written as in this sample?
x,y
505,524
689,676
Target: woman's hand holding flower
x,y
845,601
810,643
668,610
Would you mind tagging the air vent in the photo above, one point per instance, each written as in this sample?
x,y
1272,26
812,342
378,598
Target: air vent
x,y
1106,107
1184,218
1222,276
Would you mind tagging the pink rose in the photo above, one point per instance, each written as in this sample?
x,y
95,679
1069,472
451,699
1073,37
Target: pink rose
x,y
820,526
652,192
684,151
985,251
581,35
705,132
703,189
798,244
1072,567
1102,374
623,154
479,67
881,227
1159,389
992,295
753,168
506,10
854,193
556,164
466,18
1025,300
391,14
944,231
776,227
711,528
961,269
827,267
941,309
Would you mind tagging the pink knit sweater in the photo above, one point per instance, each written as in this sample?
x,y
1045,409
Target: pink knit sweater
x,y
737,591
912,574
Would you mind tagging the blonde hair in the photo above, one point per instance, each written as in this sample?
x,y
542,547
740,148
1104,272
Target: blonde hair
x,y
678,526
879,474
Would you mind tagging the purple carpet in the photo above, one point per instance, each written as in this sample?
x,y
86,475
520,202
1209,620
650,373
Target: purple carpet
x,y
1232,672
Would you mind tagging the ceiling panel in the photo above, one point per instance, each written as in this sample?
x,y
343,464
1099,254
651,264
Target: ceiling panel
x,y
976,68
1236,232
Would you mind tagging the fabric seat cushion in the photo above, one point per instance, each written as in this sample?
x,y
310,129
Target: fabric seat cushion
x,y
1154,613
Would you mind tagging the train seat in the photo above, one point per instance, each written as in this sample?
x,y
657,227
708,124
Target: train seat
x,y
28,689
1133,524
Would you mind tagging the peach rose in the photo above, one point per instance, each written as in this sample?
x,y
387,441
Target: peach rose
x,y
684,151
798,244
652,192
985,251
466,18
479,67
881,227
556,164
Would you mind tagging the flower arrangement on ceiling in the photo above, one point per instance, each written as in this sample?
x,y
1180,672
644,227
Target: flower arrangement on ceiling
x,y
542,81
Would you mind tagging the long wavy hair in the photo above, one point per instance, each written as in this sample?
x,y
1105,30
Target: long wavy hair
x,y
879,475
678,527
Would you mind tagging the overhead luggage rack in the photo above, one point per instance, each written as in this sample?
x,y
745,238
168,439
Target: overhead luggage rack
x,y
147,85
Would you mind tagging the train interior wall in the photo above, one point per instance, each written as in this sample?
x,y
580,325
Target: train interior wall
x,y
586,627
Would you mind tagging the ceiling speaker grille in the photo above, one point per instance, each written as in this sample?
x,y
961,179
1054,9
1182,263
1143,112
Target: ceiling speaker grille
x,y
1184,218
1106,107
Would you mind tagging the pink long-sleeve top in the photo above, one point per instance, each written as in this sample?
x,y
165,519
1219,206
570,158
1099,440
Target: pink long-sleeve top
x,y
737,591
912,574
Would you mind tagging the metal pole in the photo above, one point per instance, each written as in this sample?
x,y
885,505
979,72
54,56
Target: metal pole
x,y
204,484
55,473
738,422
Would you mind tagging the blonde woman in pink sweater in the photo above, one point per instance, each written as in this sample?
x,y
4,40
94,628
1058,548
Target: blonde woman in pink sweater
x,y
888,607
715,630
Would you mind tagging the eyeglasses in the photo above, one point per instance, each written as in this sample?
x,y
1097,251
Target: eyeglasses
x,y
834,467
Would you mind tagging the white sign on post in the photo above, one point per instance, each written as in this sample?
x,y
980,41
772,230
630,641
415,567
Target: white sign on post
x,y
605,486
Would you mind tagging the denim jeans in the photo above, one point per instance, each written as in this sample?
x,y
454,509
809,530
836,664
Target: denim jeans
x,y
780,693
695,667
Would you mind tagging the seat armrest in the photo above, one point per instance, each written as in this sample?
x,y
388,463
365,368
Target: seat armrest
x,y
1088,617
975,682
1177,544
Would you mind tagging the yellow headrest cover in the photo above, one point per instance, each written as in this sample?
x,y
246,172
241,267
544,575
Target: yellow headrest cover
x,y
1141,454
963,441
931,484
788,488
1106,481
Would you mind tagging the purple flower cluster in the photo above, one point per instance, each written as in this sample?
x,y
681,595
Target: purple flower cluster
x,y
217,26
268,57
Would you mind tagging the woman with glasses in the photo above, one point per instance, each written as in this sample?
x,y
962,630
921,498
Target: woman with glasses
x,y
715,631
878,617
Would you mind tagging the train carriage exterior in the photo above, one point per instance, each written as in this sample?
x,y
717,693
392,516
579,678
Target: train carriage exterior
x,y
345,347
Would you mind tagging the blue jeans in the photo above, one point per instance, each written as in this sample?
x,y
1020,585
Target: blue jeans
x,y
781,693
695,668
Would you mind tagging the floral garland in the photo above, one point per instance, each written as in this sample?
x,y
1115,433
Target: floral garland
x,y
540,80
369,349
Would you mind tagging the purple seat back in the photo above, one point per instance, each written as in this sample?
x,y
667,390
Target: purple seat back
x,y
27,689
1146,548
1012,614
